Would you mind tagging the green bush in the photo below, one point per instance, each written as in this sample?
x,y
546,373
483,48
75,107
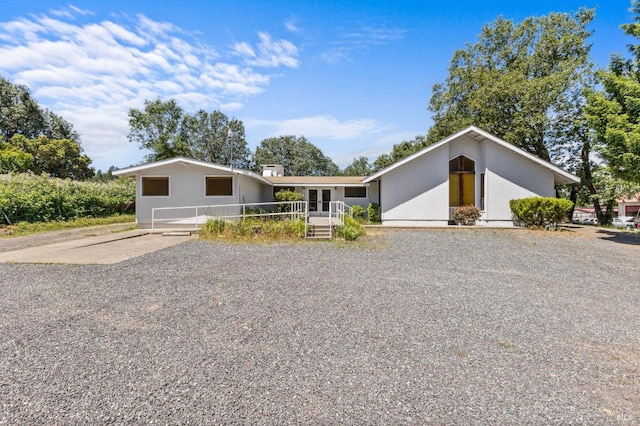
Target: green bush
x,y
373,212
32,198
358,212
466,215
282,196
350,230
539,212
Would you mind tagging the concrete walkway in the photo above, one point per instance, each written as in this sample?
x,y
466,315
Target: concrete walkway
x,y
101,249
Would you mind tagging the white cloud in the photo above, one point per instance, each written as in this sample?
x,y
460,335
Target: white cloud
x,y
269,53
292,25
92,73
358,40
321,126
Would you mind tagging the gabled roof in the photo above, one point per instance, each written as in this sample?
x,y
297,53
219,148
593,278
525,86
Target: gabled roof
x,y
560,176
134,170
316,180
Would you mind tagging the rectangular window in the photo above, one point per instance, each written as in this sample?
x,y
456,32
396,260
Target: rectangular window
x,y
155,186
355,192
218,186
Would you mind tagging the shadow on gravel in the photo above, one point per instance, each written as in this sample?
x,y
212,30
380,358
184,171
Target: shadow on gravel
x,y
619,237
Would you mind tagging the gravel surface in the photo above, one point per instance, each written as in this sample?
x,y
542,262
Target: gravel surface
x,y
407,327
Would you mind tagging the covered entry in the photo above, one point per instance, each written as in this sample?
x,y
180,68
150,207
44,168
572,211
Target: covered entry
x,y
319,199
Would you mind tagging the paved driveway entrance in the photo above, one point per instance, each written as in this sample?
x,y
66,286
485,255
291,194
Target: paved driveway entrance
x,y
101,249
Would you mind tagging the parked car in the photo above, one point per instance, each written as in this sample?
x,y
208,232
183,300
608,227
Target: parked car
x,y
591,221
623,222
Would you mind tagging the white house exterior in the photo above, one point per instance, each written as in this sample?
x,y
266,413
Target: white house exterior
x,y
184,182
471,167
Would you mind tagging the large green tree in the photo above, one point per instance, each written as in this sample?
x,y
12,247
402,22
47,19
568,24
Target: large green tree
x,y
215,138
158,129
61,158
516,81
614,112
21,114
298,156
166,131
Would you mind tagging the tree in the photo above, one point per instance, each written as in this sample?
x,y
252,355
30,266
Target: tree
x,y
400,151
215,138
21,114
14,160
157,128
359,167
298,156
516,81
61,158
614,112
163,128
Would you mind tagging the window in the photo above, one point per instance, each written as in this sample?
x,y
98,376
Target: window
x,y
355,192
155,186
461,182
218,186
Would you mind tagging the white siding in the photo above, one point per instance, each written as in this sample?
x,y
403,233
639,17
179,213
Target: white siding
x,y
419,190
187,188
510,176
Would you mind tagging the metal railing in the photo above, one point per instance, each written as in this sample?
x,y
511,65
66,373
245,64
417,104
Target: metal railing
x,y
337,212
193,217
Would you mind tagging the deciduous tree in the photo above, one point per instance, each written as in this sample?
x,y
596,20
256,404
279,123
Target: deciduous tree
x,y
298,156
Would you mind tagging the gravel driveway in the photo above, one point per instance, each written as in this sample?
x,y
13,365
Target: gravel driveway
x,y
408,327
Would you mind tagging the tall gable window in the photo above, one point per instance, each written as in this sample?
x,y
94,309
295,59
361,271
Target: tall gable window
x,y
155,186
462,172
218,186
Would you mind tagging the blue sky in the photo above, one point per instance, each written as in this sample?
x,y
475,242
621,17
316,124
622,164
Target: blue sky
x,y
353,77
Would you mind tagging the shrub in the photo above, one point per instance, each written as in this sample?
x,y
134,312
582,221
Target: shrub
x,y
539,212
373,212
282,196
358,212
32,198
350,229
466,215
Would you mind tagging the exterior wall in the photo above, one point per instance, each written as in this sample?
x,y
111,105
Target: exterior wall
x,y
417,191
509,176
187,188
628,208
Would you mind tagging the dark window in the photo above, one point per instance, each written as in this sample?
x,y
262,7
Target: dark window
x,y
355,192
219,186
155,186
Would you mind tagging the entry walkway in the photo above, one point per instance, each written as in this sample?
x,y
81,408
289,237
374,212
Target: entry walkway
x,y
100,250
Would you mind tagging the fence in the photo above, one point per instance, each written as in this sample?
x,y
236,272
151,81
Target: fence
x,y
193,217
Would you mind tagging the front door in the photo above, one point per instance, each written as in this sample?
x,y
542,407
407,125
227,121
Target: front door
x,y
319,200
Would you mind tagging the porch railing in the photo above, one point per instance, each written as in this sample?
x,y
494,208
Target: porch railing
x,y
337,212
193,217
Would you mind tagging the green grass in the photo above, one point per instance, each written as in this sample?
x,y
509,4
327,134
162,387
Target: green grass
x,y
26,228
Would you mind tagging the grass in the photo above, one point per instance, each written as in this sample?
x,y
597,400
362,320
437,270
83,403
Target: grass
x,y
26,228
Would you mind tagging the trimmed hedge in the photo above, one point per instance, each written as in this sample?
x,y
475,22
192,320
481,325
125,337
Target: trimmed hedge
x,y
539,212
27,197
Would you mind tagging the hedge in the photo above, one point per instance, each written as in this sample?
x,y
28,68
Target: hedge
x,y
27,197
539,212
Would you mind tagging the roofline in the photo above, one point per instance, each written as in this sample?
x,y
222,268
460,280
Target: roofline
x,y
133,170
558,172
320,185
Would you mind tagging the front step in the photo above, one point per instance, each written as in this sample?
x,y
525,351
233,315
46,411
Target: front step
x,y
319,232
